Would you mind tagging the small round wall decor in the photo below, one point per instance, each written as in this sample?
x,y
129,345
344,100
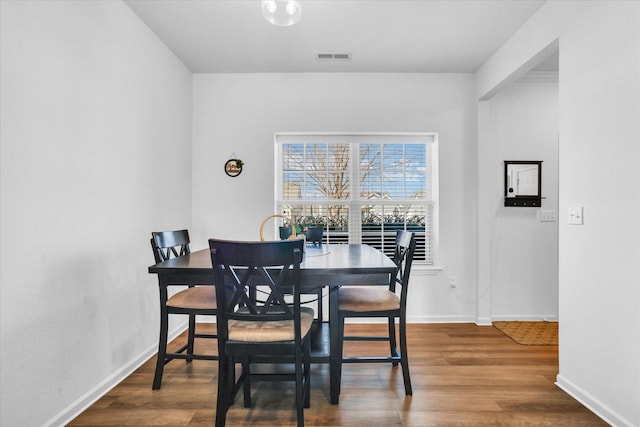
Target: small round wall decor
x,y
233,167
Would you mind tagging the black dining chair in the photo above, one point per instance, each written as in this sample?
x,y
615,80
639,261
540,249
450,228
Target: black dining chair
x,y
260,318
387,302
195,300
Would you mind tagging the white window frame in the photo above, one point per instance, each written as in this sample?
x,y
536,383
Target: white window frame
x,y
354,203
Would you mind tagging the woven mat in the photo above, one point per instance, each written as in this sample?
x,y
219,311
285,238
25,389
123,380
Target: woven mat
x,y
530,333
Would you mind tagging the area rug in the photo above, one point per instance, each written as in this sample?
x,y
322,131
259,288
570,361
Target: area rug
x,y
530,333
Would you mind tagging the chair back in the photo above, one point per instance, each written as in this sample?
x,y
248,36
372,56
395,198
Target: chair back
x,y
256,276
403,258
168,244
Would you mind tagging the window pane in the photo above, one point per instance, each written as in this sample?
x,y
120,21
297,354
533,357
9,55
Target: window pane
x,y
415,171
291,185
315,185
381,222
404,172
393,184
315,158
393,155
370,171
325,167
338,171
415,217
292,157
416,182
370,156
339,185
415,157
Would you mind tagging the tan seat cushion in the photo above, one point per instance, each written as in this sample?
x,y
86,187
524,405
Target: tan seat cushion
x,y
360,298
248,331
203,297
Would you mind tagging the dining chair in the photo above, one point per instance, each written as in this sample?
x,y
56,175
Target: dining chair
x,y
260,318
195,300
374,301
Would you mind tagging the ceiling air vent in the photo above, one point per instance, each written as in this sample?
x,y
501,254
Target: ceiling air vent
x,y
334,56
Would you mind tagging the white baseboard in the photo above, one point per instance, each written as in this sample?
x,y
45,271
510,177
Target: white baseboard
x,y
483,321
528,317
593,404
89,398
441,319
413,319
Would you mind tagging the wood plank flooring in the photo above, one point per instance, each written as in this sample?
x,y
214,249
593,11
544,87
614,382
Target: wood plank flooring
x,y
462,374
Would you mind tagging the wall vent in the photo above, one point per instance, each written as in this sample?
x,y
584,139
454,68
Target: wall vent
x,y
333,56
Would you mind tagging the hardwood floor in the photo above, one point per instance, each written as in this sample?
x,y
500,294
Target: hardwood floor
x,y
462,375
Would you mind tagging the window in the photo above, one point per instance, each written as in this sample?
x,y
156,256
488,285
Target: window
x,y
360,188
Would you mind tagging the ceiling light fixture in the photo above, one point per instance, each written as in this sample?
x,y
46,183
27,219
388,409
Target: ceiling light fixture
x,y
282,13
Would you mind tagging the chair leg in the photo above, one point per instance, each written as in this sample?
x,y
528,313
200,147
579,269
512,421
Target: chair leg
x,y
307,372
246,384
393,346
191,338
162,348
340,350
405,357
299,388
320,308
224,391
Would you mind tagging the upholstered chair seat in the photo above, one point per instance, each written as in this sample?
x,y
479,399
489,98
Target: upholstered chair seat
x,y
271,331
360,299
201,297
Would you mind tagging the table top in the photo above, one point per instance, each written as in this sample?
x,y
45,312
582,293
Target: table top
x,y
332,262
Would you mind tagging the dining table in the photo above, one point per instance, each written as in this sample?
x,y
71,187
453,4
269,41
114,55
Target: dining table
x,y
327,265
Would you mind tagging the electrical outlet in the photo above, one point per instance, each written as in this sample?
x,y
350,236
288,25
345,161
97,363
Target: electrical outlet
x,y
452,281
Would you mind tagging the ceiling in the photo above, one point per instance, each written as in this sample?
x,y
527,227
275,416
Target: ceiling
x,y
426,36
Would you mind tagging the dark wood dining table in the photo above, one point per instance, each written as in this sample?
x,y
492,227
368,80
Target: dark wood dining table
x,y
327,265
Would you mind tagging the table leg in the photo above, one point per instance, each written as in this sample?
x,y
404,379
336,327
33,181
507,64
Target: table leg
x,y
334,358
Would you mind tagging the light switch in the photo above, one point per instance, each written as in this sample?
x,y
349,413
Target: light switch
x,y
547,215
575,216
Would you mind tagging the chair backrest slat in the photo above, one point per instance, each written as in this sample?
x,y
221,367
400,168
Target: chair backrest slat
x,y
168,243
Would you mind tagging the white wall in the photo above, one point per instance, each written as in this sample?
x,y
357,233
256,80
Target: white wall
x,y
239,113
599,169
94,109
523,120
